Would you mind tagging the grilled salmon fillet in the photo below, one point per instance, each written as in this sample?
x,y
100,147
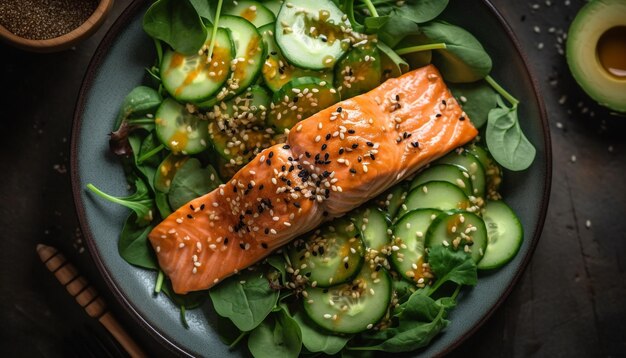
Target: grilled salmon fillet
x,y
332,162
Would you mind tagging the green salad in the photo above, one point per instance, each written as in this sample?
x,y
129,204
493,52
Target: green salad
x,y
385,276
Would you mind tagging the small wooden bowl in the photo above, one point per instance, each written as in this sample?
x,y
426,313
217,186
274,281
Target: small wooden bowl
x,y
64,41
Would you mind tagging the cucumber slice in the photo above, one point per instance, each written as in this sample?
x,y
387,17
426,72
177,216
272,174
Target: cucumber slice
x,y
249,55
194,78
330,256
445,172
166,171
391,201
295,94
470,164
180,131
493,172
373,225
358,71
252,11
277,71
273,5
459,230
409,235
505,235
435,195
237,145
311,33
352,307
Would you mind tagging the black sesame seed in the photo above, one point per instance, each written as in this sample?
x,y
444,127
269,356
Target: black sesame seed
x,y
325,213
261,187
397,97
250,186
267,231
189,216
234,189
324,146
345,264
372,156
355,145
351,131
264,245
339,109
242,246
359,159
225,241
370,144
202,207
191,207
328,136
340,151
352,170
462,118
297,205
268,162
286,146
438,115
271,154
415,144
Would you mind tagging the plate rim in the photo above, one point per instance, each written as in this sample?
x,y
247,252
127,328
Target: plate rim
x,y
165,340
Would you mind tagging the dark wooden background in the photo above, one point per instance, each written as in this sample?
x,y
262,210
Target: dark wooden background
x,y
570,302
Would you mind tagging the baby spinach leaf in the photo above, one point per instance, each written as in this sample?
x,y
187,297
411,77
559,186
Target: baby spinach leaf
x,y
177,23
316,341
419,11
506,140
134,246
203,8
246,304
392,65
420,323
189,300
162,204
139,102
417,50
278,262
277,336
150,147
481,99
464,59
450,265
395,30
190,182
140,202
373,24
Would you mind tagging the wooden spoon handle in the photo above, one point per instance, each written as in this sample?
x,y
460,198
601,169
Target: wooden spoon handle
x,y
86,296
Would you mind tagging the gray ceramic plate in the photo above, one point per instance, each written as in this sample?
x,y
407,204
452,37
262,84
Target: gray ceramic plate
x,y
118,66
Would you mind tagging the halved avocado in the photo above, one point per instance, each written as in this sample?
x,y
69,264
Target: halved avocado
x,y
596,52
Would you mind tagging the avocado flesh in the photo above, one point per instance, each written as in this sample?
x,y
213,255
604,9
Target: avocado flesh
x,y
593,20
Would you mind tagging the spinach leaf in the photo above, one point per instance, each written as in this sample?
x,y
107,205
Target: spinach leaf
x,y
140,202
177,23
450,265
277,336
189,300
506,140
190,182
203,8
139,102
246,304
392,65
417,50
132,168
162,204
133,245
278,262
481,99
150,147
395,30
420,322
422,11
316,341
464,59
373,24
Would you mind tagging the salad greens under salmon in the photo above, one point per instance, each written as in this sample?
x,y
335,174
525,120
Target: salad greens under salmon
x,y
231,78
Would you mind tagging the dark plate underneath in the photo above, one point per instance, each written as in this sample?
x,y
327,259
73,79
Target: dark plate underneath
x,y
118,66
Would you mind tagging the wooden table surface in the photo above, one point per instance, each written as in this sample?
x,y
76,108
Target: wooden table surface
x,y
570,301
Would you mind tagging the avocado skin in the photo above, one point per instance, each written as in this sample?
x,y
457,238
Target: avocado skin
x,y
592,21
